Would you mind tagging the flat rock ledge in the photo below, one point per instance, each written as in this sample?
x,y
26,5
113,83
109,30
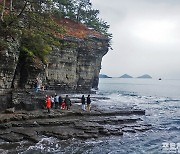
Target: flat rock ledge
x,y
66,124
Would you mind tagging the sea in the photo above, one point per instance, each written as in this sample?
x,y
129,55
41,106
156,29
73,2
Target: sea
x,y
159,98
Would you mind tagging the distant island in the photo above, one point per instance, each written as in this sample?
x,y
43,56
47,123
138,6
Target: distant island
x,y
103,76
125,76
145,76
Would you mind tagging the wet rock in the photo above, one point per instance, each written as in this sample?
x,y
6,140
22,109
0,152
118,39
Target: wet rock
x,y
128,129
17,124
84,136
10,110
58,134
17,118
63,124
25,117
5,126
95,135
63,137
104,131
116,132
92,131
85,125
142,128
28,134
12,137
5,120
3,132
31,124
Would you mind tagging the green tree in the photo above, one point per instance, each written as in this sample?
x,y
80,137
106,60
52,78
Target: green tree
x,y
33,21
18,16
81,11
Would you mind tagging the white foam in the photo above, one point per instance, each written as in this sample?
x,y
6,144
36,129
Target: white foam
x,y
46,145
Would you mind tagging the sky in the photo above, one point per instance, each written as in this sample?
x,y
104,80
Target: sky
x,y
146,37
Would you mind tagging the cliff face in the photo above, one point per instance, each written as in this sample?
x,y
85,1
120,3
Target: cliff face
x,y
73,67
8,59
76,67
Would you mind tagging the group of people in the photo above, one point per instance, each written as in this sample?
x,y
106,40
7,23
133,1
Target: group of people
x,y
84,101
57,102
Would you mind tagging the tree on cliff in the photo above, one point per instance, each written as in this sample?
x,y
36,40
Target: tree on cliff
x,y
81,11
33,20
40,11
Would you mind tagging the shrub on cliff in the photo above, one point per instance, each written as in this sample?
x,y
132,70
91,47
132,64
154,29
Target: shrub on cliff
x,y
81,11
33,21
33,45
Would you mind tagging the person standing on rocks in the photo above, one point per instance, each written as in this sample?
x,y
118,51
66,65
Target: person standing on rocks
x,y
88,103
83,102
63,105
56,101
60,101
67,102
42,88
52,101
40,84
36,85
48,103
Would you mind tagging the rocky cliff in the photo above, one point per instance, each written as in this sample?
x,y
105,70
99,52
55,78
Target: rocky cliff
x,y
73,67
76,68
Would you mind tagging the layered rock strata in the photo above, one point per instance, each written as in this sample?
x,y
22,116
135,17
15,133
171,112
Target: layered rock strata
x,y
63,124
8,59
75,69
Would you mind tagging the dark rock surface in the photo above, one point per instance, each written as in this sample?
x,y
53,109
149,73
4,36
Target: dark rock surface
x,y
8,59
10,110
65,124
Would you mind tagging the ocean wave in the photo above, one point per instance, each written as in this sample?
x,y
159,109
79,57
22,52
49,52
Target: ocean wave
x,y
46,145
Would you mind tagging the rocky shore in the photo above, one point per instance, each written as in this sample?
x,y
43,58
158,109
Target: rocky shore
x,y
65,124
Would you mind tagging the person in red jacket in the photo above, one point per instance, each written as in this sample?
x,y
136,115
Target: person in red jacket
x,y
48,103
63,105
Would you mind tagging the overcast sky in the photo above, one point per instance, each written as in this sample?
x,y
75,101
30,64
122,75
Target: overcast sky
x,y
146,37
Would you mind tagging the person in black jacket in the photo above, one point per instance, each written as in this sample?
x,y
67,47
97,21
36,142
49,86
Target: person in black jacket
x,y
88,103
83,102
60,101
67,102
56,100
